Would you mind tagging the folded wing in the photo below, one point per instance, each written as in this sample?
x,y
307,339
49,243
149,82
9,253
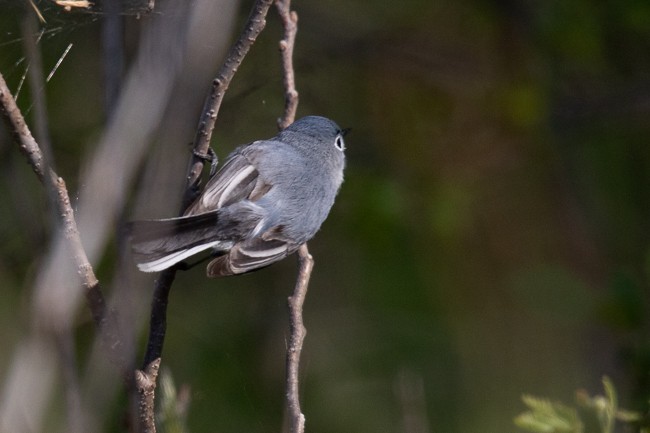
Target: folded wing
x,y
220,217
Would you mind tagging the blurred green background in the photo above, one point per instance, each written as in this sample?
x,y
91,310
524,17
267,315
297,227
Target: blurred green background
x,y
492,236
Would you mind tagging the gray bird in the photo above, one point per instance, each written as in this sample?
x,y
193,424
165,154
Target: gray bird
x,y
268,198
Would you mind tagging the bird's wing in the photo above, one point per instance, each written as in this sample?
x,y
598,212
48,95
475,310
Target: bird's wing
x,y
237,180
248,256
252,254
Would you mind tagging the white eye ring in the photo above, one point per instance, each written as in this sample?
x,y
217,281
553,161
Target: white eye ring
x,y
339,143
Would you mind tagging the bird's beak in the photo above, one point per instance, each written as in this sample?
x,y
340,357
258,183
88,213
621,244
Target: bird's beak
x,y
345,131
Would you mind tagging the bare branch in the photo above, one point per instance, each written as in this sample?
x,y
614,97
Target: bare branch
x,y
158,322
297,329
145,382
94,297
255,24
21,133
35,77
297,336
290,23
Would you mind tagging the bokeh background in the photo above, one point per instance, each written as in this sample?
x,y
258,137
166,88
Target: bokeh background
x,y
491,238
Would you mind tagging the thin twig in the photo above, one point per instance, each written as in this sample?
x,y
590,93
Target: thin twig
x,y
63,336
37,11
290,23
255,24
58,63
158,323
104,319
35,79
297,330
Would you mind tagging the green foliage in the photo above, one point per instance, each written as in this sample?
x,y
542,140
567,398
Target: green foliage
x,y
545,416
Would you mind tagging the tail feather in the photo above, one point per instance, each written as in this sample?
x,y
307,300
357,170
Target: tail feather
x,y
151,230
159,244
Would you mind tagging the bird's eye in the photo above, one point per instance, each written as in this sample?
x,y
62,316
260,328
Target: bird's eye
x,y
339,143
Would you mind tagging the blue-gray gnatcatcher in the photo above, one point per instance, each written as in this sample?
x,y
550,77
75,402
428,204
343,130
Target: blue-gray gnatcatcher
x,y
268,198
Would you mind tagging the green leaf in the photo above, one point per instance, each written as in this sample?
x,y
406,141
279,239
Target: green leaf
x,y
546,416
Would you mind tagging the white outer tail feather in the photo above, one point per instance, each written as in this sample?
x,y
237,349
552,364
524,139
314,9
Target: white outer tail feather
x,y
171,259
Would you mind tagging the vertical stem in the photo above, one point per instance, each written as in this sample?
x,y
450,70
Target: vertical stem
x,y
290,23
297,336
158,322
305,261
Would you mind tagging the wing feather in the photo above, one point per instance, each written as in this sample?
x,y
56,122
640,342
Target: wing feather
x,y
224,218
237,180
250,255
